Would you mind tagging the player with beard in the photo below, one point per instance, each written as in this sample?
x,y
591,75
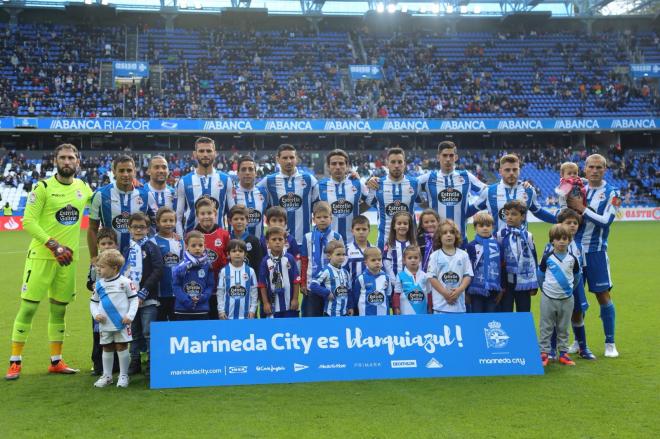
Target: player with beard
x,y
204,182
249,195
52,217
158,173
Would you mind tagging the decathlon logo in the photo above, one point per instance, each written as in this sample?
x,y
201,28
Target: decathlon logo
x,y
403,364
298,367
237,369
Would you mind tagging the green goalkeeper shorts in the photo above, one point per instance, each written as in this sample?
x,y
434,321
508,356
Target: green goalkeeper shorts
x,y
43,276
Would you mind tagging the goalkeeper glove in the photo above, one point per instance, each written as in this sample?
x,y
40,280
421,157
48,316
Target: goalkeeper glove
x,y
63,255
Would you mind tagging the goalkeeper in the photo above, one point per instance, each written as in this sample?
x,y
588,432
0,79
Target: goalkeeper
x,y
52,217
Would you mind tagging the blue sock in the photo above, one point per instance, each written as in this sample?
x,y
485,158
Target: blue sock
x,y
580,336
553,341
608,315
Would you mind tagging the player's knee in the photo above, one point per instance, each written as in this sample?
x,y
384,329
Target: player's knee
x,y
56,302
27,310
604,298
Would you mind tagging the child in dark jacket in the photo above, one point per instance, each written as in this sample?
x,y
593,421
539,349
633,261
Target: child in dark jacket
x,y
194,281
144,266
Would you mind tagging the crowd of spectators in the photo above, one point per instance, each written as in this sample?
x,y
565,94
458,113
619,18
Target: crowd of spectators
x,y
54,70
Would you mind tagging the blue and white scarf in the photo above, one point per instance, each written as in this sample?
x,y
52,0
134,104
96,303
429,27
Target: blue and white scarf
x,y
133,265
486,268
520,262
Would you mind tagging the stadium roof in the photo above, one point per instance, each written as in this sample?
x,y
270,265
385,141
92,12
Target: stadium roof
x,y
355,7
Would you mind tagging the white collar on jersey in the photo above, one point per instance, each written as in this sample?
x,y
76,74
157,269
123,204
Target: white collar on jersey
x,y
241,187
603,183
419,270
123,192
442,174
295,173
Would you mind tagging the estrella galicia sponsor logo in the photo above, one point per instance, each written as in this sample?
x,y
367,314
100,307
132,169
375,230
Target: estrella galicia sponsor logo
x,y
270,368
403,364
342,208
332,366
496,337
68,215
291,201
237,369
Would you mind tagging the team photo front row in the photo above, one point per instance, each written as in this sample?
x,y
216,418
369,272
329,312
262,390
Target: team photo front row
x,y
212,275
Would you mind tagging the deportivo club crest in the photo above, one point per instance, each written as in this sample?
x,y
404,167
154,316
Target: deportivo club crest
x,y
496,337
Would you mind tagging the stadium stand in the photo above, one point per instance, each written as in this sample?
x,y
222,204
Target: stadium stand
x,y
53,70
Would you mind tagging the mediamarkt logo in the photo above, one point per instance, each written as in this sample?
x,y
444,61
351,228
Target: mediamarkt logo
x,y
633,123
347,125
463,125
405,125
576,124
227,125
521,124
288,125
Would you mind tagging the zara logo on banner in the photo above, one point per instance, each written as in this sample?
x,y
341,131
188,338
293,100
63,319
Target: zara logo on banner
x,y
496,337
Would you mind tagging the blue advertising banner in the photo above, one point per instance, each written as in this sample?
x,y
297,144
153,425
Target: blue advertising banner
x,y
365,71
130,69
645,70
265,351
327,126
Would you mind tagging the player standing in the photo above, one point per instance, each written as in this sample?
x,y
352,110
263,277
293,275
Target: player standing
x,y
114,203
204,182
603,202
496,195
293,190
158,173
253,197
52,217
346,195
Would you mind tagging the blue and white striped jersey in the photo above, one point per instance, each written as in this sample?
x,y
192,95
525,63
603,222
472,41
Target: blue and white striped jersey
x,y
165,197
448,194
372,293
602,206
495,196
344,198
237,291
392,197
256,200
112,208
559,273
295,194
449,270
393,259
172,251
337,282
114,299
191,187
279,275
317,259
354,263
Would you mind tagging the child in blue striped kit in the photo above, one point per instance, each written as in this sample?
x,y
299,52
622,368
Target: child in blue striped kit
x,y
333,283
372,290
487,258
171,249
238,291
402,234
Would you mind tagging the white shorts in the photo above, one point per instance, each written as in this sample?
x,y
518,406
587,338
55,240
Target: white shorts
x,y
120,336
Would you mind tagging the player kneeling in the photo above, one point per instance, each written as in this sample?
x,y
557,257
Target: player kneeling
x,y
114,305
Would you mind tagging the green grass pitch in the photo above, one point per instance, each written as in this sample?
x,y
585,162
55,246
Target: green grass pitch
x,y
606,398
